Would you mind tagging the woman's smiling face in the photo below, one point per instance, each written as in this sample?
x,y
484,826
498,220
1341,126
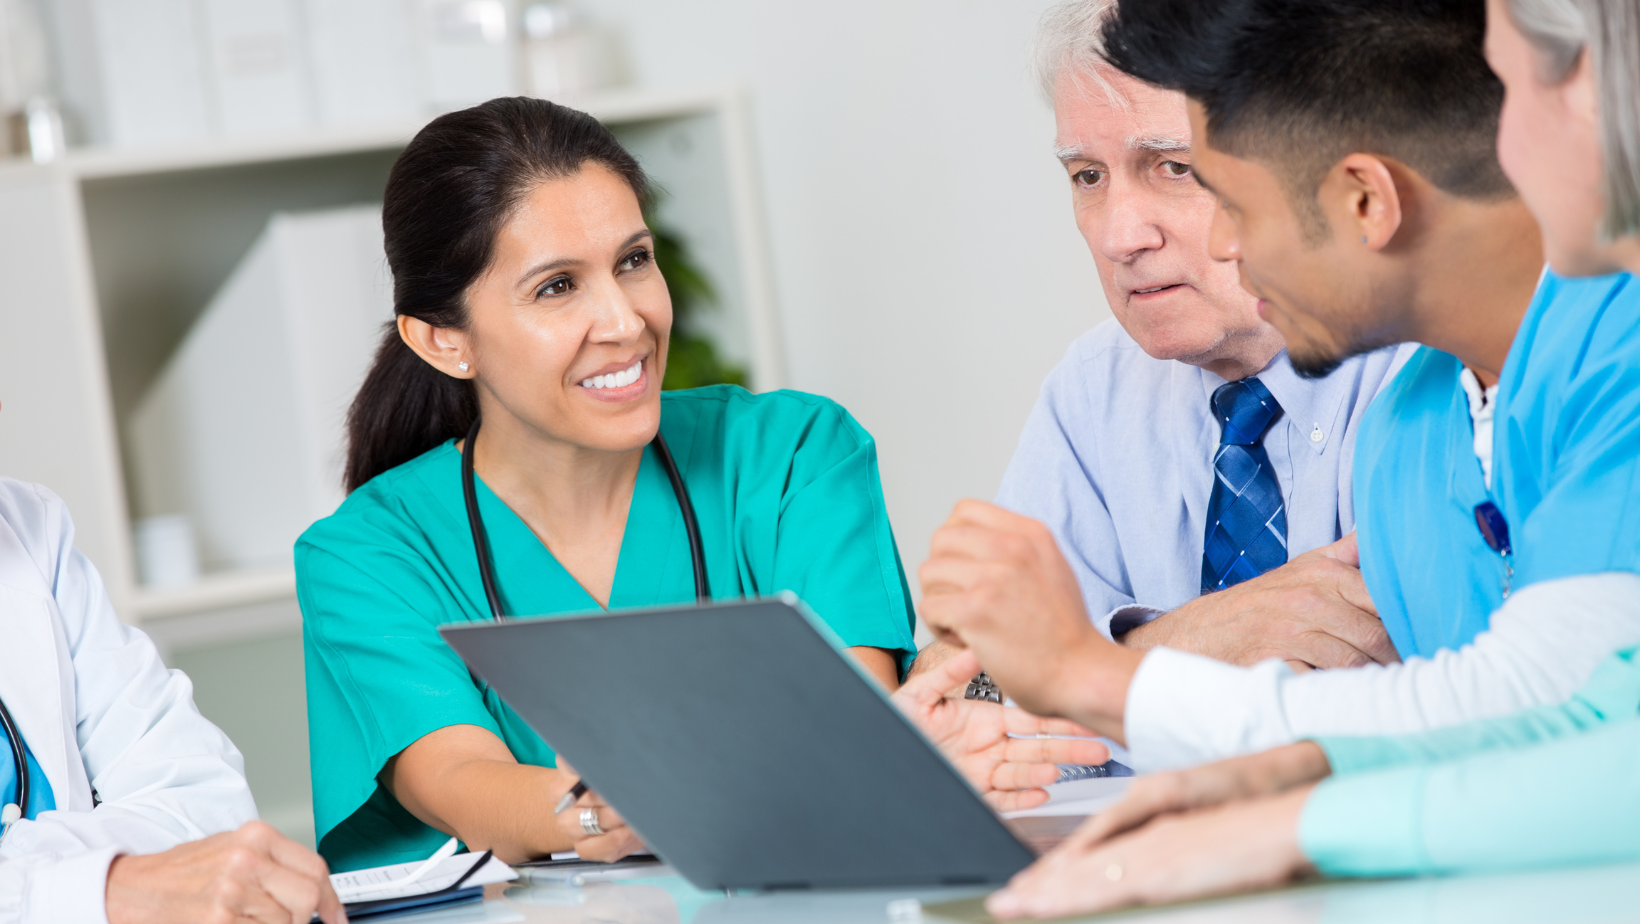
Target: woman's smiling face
x,y
568,327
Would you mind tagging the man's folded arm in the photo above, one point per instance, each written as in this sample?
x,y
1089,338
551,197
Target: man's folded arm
x,y
1543,645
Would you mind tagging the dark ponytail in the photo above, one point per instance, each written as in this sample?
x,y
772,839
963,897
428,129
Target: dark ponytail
x,y
449,195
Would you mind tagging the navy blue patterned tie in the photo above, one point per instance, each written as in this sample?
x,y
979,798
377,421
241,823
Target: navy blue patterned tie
x,y
1246,519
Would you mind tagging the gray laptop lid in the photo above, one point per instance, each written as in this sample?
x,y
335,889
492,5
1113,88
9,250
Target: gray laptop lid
x,y
743,747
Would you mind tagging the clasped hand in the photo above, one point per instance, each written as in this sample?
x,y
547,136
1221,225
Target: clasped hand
x,y
996,582
1313,612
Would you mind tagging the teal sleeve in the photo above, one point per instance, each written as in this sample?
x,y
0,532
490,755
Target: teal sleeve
x,y
1612,693
1575,800
835,548
379,677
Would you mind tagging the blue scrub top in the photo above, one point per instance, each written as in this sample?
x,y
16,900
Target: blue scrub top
x,y
40,798
1565,467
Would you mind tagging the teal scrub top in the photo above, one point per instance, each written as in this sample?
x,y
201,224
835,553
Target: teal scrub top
x,y
1565,467
786,490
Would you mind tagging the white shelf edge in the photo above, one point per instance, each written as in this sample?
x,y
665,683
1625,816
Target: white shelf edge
x,y
95,163
212,592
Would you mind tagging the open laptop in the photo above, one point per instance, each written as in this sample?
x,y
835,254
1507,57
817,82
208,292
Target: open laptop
x,y
744,747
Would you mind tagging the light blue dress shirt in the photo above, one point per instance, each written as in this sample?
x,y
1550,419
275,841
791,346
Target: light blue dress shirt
x,y
1117,459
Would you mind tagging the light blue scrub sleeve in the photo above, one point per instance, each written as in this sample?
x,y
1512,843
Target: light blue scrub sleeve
x,y
1612,694
1551,785
1571,801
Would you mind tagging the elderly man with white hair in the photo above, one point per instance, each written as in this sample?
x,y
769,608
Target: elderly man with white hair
x,y
1198,485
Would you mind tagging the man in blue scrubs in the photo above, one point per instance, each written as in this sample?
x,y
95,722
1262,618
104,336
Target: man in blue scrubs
x,y
1360,196
1125,457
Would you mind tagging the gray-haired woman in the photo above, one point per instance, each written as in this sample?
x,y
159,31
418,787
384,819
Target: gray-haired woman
x,y
1569,138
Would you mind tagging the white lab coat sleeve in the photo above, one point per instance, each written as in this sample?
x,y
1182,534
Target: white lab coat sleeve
x,y
1543,645
164,773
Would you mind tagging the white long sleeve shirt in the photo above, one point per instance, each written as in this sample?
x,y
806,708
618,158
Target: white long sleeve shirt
x,y
97,708
1543,645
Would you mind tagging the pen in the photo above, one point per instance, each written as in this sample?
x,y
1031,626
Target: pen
x,y
576,792
439,856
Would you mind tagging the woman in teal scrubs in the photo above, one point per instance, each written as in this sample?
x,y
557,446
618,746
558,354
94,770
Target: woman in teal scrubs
x,y
528,297
527,294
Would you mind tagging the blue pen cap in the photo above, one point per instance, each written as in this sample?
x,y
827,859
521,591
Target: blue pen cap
x,y
1494,528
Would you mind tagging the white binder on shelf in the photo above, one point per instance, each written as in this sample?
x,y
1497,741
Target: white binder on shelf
x,y
363,61
131,70
243,431
467,49
255,53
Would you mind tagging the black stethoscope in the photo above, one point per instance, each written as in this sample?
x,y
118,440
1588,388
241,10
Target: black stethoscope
x,y
19,760
481,545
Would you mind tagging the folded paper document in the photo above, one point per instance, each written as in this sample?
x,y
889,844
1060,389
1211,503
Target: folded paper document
x,y
395,887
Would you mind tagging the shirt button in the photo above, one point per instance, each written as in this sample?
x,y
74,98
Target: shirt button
x,y
1316,435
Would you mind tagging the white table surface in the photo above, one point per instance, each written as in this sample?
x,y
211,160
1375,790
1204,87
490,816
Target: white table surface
x,y
1596,895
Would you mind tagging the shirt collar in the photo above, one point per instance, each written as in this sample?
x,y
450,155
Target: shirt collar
x,y
1483,402
1309,405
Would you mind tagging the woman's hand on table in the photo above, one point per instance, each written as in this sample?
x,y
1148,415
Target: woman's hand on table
x,y
1235,847
1263,774
1010,772
617,840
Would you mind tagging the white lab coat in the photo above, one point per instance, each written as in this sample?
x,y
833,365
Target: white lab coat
x,y
96,707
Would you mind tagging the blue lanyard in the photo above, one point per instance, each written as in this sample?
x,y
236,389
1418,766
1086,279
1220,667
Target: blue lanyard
x,y
1495,530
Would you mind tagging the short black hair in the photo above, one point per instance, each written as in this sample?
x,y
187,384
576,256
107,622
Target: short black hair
x,y
1304,83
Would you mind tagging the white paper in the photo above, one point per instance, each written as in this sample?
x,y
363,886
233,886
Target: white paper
x,y
377,883
1080,797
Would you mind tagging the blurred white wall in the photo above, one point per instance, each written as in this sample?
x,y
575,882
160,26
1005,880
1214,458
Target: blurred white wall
x,y
928,270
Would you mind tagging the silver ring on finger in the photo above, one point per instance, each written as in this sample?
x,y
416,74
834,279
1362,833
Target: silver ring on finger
x,y
589,822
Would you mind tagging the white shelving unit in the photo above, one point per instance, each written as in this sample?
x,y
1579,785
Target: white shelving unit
x,y
107,257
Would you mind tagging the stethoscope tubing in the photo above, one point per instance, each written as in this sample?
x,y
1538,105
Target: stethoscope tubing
x,y
19,758
481,542
486,571
697,554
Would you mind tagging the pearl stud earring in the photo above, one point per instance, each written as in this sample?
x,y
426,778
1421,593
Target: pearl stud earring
x,y
461,366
